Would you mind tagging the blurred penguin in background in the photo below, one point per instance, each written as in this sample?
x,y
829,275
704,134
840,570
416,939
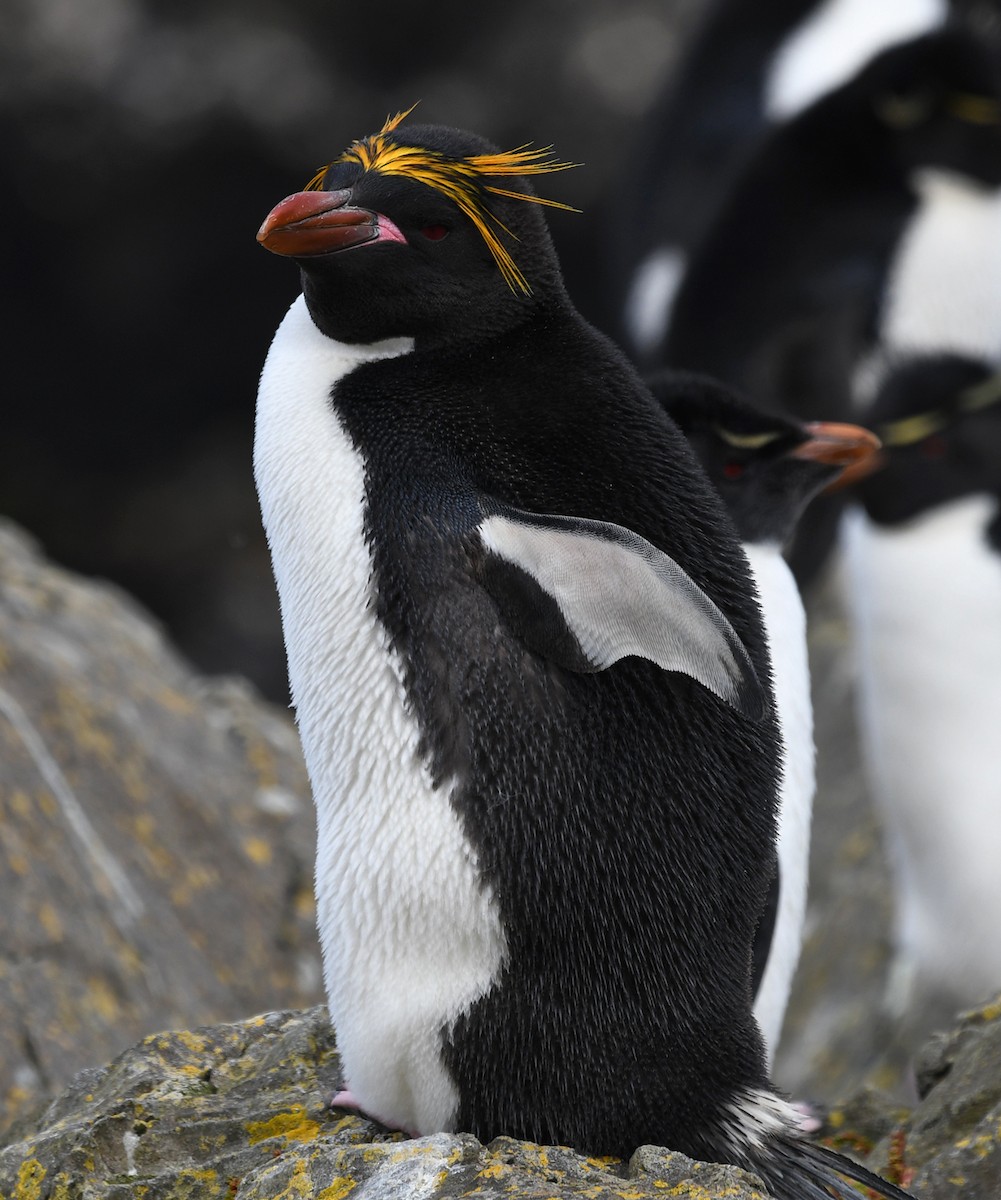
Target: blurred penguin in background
x,y
747,67
836,252
782,297
923,575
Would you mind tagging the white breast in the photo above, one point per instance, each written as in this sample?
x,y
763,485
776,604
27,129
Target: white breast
x,y
944,287
410,936
927,612
838,38
785,624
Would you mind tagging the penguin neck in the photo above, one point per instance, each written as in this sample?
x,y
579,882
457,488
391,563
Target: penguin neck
x,y
767,517
841,160
430,322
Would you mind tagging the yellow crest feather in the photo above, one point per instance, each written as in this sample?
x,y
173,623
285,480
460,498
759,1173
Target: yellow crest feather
x,y
460,180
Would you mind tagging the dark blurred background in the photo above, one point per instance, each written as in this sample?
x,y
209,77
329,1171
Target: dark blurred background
x,y
143,143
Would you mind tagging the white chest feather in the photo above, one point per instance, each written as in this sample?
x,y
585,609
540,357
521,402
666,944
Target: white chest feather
x,y
838,38
785,624
944,289
410,937
927,610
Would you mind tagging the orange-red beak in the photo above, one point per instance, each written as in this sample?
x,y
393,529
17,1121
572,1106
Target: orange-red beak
x,y
851,447
310,223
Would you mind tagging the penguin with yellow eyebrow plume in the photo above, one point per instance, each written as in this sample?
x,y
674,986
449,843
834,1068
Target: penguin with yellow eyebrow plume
x,y
531,682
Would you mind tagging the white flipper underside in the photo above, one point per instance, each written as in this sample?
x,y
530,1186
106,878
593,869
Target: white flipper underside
x,y
619,595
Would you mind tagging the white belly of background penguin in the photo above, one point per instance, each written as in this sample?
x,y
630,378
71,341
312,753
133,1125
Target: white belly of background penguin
x,y
942,294
924,589
926,599
785,621
410,936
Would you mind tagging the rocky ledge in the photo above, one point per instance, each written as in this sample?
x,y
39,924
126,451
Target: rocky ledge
x,y
156,835
241,1111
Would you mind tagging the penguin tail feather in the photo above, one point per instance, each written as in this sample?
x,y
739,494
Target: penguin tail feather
x,y
794,1169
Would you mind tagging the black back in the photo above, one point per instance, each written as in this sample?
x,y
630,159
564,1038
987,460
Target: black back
x,y
622,819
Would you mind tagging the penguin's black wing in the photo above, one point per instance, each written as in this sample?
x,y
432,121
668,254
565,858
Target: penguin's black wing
x,y
585,594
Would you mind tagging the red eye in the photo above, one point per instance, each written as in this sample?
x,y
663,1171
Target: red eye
x,y
434,233
733,470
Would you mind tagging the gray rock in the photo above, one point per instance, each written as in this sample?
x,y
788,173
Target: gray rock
x,y
951,1146
242,1111
157,835
948,1147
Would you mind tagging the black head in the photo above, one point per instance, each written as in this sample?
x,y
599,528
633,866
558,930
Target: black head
x,y
939,419
429,233
934,101
765,467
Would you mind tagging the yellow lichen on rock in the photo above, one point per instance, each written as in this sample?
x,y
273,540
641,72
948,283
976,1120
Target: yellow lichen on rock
x,y
102,999
300,1185
257,850
194,1184
988,1012
494,1170
194,1042
62,1187
293,1126
337,1189
50,922
30,1177
982,1144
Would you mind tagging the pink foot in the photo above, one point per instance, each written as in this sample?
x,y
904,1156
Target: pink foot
x,y
809,1121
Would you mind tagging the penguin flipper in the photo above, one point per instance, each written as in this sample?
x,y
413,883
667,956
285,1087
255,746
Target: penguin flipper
x,y
585,594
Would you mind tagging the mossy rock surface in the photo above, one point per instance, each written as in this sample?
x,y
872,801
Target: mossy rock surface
x,y
157,851
242,1111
